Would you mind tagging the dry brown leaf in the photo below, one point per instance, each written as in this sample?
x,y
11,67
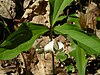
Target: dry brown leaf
x,y
26,3
5,70
88,20
44,65
7,9
38,12
40,19
27,12
91,15
82,20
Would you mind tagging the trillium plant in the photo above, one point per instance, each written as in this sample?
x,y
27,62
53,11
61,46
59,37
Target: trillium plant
x,y
22,39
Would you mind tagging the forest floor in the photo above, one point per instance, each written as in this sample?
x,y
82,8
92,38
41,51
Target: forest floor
x,y
36,61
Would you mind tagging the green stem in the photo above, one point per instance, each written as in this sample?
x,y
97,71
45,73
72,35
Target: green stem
x,y
51,30
53,66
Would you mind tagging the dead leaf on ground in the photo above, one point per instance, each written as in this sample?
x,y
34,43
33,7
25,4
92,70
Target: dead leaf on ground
x,y
88,21
7,9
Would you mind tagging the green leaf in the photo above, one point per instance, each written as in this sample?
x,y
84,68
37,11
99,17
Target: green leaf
x,y
51,3
59,7
56,8
98,18
17,37
37,30
80,57
61,18
66,27
73,15
91,45
73,18
70,68
61,56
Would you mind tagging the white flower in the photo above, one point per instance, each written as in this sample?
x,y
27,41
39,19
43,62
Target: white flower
x,y
49,47
60,45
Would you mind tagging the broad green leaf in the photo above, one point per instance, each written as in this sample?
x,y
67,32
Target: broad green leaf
x,y
61,56
95,37
66,27
74,15
91,45
37,30
51,3
59,7
81,61
61,18
72,19
86,47
17,37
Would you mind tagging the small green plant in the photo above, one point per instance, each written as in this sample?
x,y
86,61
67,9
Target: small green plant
x,y
23,38
61,56
70,68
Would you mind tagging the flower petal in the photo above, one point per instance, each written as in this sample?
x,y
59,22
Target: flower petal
x,y
60,45
49,47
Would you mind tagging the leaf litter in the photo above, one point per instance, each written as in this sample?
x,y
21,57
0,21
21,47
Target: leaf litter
x,y
36,61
